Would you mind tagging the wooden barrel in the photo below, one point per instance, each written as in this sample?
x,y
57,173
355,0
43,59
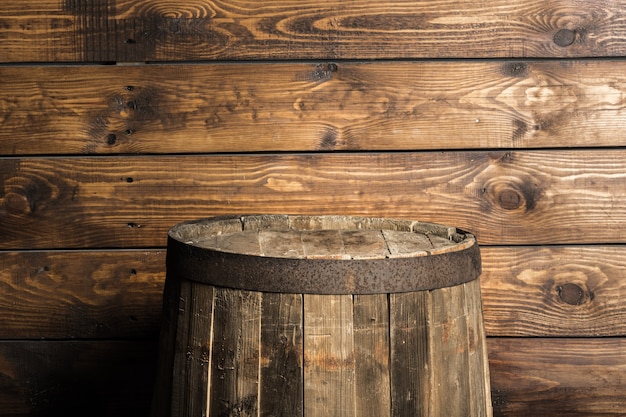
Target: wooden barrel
x,y
275,315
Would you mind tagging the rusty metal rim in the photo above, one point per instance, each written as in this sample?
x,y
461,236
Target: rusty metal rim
x,y
322,276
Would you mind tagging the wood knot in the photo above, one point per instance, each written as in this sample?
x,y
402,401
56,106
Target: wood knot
x,y
511,193
515,69
16,203
564,37
510,199
572,294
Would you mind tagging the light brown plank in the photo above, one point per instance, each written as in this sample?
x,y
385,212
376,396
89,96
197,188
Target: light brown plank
x,y
559,291
535,197
83,294
122,30
46,378
372,355
551,377
329,361
311,106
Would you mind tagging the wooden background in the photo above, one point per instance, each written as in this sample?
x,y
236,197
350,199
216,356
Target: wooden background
x,y
120,118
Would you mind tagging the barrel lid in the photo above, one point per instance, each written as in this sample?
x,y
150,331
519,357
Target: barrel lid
x,y
321,254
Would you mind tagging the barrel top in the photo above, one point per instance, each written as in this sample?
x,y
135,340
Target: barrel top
x,y
322,254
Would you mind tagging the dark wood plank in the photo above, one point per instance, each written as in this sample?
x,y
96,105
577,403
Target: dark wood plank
x,y
526,291
534,197
409,315
558,377
63,379
530,376
372,355
192,371
236,353
83,294
558,291
122,30
311,107
281,390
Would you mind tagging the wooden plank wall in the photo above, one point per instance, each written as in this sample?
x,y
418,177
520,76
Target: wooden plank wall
x,y
120,118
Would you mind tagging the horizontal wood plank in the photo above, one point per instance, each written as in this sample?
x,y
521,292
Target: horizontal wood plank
x,y
525,197
122,30
575,291
554,291
60,379
311,106
529,376
81,294
558,377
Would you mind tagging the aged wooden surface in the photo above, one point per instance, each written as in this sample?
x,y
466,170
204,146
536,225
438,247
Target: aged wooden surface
x,y
281,381
558,291
81,294
409,333
320,77
527,291
372,354
520,197
330,386
311,106
547,377
122,30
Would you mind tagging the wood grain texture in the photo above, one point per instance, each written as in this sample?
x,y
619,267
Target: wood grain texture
x,y
409,317
525,197
122,30
372,355
311,107
281,382
546,377
192,371
235,353
526,291
329,360
554,291
63,379
94,295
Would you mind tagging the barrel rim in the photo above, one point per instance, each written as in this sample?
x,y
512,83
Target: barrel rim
x,y
453,266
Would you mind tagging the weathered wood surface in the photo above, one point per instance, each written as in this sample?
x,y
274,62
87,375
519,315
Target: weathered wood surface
x,y
554,291
122,30
525,197
65,378
311,107
281,382
81,294
545,377
529,376
526,291
330,385
372,354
